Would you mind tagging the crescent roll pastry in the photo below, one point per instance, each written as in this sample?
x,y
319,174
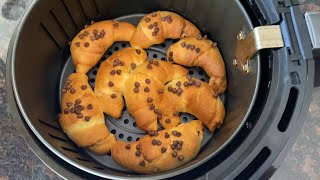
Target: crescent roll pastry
x,y
156,27
187,94
91,43
203,53
82,118
160,151
144,89
111,77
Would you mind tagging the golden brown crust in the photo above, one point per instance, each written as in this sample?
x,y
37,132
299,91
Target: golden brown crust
x,y
111,77
152,154
146,82
81,116
156,27
192,96
203,53
91,43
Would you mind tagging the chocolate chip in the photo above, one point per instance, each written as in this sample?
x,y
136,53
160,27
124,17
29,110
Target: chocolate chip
x,y
112,73
150,26
170,89
150,61
178,147
138,153
72,91
192,47
146,89
171,53
175,113
115,24
156,63
136,90
197,84
121,63
69,104
149,66
79,116
68,86
189,77
142,163
154,33
166,135
86,33
163,149
170,59
92,38
128,146
148,81
81,36
95,31
174,154
138,146
197,50
111,84
147,20
153,14
178,83
72,110
77,44
160,91
89,106
188,46
175,142
138,51
113,96
87,118
168,121
173,147
156,169
64,91
149,100
154,142
155,24
183,44
180,158
156,111
118,72
66,111
155,133
169,20
86,44
78,101
133,65
136,84
83,87
156,29
152,107
174,90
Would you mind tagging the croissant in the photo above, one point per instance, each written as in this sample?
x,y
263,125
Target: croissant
x,y
111,77
81,116
203,53
91,43
187,94
158,26
160,151
144,89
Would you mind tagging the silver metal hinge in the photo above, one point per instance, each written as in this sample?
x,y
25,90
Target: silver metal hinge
x,y
263,37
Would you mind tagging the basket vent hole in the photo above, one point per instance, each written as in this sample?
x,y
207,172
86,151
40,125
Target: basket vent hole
x,y
121,136
92,80
191,72
123,45
155,56
163,45
129,138
134,124
113,131
124,108
116,48
200,72
126,121
202,79
137,139
163,58
103,58
98,65
185,119
109,53
94,72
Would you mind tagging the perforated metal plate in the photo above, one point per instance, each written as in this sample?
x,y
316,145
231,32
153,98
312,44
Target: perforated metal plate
x,y
125,128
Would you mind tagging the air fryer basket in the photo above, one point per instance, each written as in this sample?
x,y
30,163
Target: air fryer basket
x,y
41,61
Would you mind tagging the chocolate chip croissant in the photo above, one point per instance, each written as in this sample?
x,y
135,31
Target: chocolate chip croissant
x,y
111,78
203,53
82,118
187,94
91,43
144,89
156,27
160,151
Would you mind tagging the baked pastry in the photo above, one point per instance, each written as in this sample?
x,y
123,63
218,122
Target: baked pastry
x,y
156,27
111,77
144,89
187,94
81,116
91,43
160,151
203,53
